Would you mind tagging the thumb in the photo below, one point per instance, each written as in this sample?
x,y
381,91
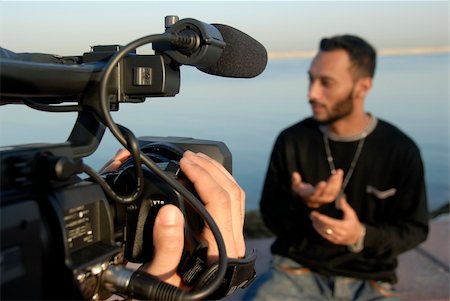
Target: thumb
x,y
346,208
296,180
168,241
296,177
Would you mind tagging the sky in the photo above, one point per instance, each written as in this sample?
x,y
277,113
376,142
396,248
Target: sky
x,y
70,28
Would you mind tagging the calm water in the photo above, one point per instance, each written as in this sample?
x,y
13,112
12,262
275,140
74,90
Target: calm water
x,y
247,114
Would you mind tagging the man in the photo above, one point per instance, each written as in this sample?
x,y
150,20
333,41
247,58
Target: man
x,y
344,192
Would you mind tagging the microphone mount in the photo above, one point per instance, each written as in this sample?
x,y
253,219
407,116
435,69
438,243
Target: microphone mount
x,y
193,43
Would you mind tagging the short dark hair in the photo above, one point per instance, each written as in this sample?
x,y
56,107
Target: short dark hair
x,y
362,54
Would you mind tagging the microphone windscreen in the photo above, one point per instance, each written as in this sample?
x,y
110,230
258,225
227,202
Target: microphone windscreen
x,y
242,57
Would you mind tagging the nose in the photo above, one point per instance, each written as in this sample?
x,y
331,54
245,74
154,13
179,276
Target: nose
x,y
314,90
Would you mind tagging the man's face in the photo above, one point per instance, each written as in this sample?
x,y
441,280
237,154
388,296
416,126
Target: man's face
x,y
331,86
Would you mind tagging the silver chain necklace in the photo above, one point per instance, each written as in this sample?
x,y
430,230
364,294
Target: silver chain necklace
x,y
352,164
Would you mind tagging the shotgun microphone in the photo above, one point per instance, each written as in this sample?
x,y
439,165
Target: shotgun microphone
x,y
242,57
215,49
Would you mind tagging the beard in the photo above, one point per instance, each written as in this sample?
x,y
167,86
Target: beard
x,y
339,110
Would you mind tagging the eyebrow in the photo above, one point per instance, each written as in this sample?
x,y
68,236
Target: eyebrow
x,y
321,77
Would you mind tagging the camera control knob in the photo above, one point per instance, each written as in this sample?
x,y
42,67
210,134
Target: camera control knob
x,y
170,20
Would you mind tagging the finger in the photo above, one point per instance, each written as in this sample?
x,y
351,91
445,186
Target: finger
x,y
304,190
345,206
223,177
122,155
334,184
118,159
237,207
318,192
323,230
168,241
324,220
296,180
217,165
216,198
113,165
215,178
235,197
327,231
349,212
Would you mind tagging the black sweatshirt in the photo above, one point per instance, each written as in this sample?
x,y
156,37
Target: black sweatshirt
x,y
386,190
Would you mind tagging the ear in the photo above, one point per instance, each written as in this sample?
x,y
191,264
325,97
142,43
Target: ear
x,y
363,86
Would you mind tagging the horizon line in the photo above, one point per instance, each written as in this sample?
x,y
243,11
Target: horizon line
x,y
283,55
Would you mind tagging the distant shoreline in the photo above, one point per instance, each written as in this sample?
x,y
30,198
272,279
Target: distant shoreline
x,y
283,55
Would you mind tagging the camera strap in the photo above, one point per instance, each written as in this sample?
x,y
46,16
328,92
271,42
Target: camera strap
x,y
240,273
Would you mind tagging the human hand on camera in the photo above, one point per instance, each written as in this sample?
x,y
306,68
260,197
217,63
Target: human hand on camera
x,y
345,231
224,200
121,156
323,193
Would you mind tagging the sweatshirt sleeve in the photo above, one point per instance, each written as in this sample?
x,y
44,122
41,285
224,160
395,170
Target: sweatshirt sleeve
x,y
279,209
408,226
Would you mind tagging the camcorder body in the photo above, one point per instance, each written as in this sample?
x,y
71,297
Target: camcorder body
x,y
59,235
68,232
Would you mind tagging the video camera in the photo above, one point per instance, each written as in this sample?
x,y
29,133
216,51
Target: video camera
x,y
64,236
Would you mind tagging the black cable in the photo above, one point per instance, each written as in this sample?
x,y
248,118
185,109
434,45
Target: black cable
x,y
133,147
191,199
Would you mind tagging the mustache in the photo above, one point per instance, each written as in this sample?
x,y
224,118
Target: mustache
x,y
315,102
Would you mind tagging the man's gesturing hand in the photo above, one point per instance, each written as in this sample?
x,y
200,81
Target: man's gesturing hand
x,y
323,193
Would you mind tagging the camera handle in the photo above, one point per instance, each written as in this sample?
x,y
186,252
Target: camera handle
x,y
86,134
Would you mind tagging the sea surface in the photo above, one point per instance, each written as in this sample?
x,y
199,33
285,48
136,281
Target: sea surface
x,y
247,114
